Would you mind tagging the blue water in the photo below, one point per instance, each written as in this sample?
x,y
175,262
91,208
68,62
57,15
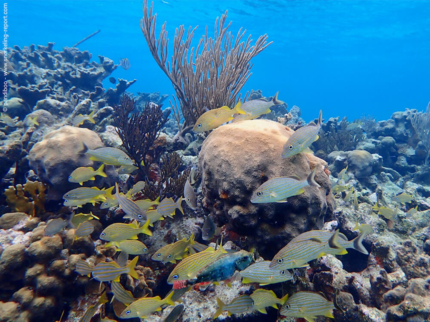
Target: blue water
x,y
348,58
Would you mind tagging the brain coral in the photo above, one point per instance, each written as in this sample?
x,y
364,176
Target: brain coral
x,y
237,158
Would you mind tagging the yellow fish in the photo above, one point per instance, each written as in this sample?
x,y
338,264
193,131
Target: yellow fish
x,y
213,118
80,218
145,306
131,247
264,298
80,119
33,120
119,231
173,252
82,174
111,271
145,204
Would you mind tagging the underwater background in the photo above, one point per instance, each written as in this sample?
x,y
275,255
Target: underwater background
x,y
283,176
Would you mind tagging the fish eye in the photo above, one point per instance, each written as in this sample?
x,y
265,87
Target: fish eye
x,y
280,260
145,249
282,272
127,312
102,234
140,216
291,147
169,256
175,277
159,254
259,193
286,306
199,125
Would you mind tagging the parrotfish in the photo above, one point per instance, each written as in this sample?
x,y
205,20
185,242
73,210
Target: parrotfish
x,y
190,196
82,174
121,294
80,119
307,305
119,231
279,189
129,207
214,118
132,247
239,305
298,254
167,207
145,306
259,107
173,252
264,298
84,229
108,155
301,139
111,271
261,273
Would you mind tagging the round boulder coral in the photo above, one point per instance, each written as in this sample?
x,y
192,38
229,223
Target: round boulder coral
x,y
236,159
58,154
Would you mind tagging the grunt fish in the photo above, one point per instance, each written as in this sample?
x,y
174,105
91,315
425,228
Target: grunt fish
x,y
145,204
122,259
412,211
264,298
365,229
298,254
388,213
6,119
190,196
82,174
153,216
260,106
84,193
80,218
111,271
79,202
145,306
173,252
111,156
54,226
338,189
131,210
214,118
301,139
261,273
91,310
132,247
279,189
126,169
403,198
121,294
342,173
239,305
84,229
167,207
208,230
80,119
83,268
175,314
307,305
119,231
136,188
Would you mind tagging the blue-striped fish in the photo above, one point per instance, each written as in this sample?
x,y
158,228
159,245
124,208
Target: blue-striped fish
x,y
298,254
189,267
260,106
122,259
324,236
85,229
239,305
132,247
173,252
307,305
167,207
264,298
83,174
145,306
83,268
175,313
111,271
261,273
301,139
214,118
111,156
190,196
279,189
91,310
121,294
119,231
129,207
136,188
84,193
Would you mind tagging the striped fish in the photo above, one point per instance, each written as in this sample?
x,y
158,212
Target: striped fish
x,y
264,298
261,273
189,267
190,196
280,189
298,254
324,236
239,305
119,231
108,155
175,314
167,207
153,216
301,139
83,193
109,203
83,268
121,294
91,310
173,252
122,259
145,306
132,247
84,229
308,305
129,207
111,271
259,107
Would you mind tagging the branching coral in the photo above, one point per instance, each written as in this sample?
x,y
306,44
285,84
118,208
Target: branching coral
x,y
32,203
210,76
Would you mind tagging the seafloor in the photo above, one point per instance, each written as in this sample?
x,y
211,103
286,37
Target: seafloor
x,y
38,277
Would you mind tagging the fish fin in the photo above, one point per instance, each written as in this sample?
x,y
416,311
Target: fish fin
x,y
319,119
317,137
276,101
225,107
131,267
311,178
246,280
90,117
81,183
263,310
333,241
282,201
220,308
116,279
358,245
329,314
238,108
179,205
145,230
320,254
216,283
315,239
308,150
267,111
309,318
93,158
300,191
158,309
100,171
134,237
284,299
229,284
229,313
92,178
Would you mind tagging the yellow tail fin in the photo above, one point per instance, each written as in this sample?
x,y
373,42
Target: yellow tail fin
x,y
179,204
131,267
168,299
101,173
90,117
220,308
145,230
